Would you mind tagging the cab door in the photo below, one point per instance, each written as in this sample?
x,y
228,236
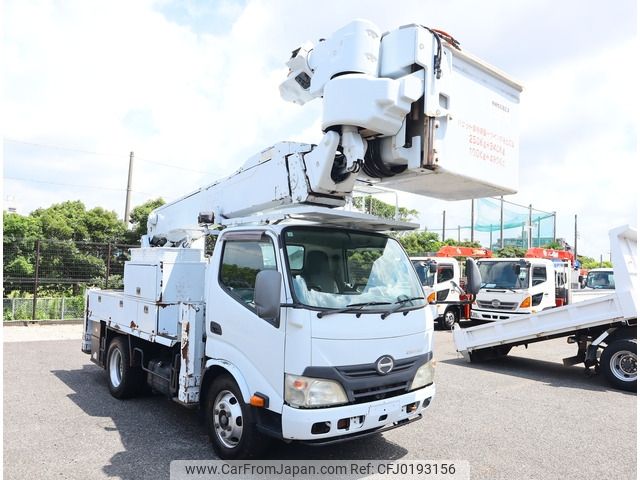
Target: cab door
x,y
542,287
235,333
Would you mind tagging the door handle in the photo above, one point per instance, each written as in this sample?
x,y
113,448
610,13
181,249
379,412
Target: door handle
x,y
215,328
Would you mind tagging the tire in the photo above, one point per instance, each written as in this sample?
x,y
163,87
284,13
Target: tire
x,y
231,422
618,363
449,319
124,381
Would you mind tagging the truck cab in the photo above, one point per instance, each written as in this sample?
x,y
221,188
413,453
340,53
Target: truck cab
x,y
258,330
440,278
519,286
600,279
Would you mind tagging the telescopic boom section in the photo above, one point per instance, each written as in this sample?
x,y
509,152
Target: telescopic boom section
x,y
407,109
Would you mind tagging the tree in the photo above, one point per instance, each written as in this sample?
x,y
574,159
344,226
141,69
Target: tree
x,y
589,263
510,251
465,243
384,210
138,218
69,255
419,243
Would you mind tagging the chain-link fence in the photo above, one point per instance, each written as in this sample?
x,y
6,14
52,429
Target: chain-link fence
x,y
47,279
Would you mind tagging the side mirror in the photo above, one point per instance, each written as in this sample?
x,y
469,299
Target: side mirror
x,y
433,267
267,295
474,280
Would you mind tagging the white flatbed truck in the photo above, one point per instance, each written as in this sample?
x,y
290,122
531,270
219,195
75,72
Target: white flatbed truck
x,y
604,328
305,322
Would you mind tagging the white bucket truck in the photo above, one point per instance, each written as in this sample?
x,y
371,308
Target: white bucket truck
x,y
305,323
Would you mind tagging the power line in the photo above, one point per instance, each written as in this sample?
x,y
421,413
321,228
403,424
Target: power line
x,y
30,180
90,152
175,166
60,147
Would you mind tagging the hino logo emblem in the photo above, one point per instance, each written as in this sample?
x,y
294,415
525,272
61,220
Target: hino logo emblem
x,y
495,303
384,365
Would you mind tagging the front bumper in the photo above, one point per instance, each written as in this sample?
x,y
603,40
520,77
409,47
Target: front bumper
x,y
298,423
493,315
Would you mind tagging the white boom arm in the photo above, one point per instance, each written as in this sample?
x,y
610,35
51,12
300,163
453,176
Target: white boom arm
x,y
406,109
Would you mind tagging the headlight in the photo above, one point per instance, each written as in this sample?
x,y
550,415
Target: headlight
x,y
424,375
312,392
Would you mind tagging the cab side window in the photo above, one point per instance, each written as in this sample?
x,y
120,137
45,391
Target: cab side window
x,y
539,275
445,273
242,260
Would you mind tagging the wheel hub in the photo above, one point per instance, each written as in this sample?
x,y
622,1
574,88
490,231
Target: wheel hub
x,y
624,365
227,419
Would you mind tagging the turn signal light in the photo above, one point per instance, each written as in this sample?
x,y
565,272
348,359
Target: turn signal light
x,y
432,297
258,401
526,303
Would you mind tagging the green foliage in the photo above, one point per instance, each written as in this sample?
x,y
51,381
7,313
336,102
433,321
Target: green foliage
x,y
18,226
465,243
510,252
19,267
420,243
138,218
59,308
554,245
589,263
377,207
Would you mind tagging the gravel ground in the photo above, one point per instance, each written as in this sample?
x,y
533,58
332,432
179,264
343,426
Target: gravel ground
x,y
524,416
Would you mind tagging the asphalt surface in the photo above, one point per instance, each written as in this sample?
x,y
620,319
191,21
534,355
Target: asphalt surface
x,y
524,416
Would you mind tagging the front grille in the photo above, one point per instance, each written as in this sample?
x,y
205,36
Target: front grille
x,y
378,393
369,370
501,306
362,383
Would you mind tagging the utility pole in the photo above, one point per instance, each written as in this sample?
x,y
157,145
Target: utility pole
x,y
444,216
501,221
458,233
529,229
127,203
472,216
554,226
575,236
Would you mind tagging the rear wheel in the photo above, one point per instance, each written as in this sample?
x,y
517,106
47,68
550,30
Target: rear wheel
x,y
230,422
618,362
124,381
448,320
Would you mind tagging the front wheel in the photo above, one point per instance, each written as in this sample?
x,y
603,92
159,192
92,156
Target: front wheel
x,y
230,422
618,362
448,320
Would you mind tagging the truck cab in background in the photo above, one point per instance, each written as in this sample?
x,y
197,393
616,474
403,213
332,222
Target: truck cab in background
x,y
440,279
600,279
443,279
520,286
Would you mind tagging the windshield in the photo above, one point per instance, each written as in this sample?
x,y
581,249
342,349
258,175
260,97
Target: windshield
x,y
601,280
422,269
342,268
504,275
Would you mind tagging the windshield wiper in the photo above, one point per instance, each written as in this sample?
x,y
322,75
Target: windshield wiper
x,y
399,304
499,287
352,307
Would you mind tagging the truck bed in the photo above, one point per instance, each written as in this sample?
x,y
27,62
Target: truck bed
x,y
555,322
619,306
149,320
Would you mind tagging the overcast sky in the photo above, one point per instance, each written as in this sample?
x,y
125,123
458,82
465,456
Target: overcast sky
x,y
192,88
